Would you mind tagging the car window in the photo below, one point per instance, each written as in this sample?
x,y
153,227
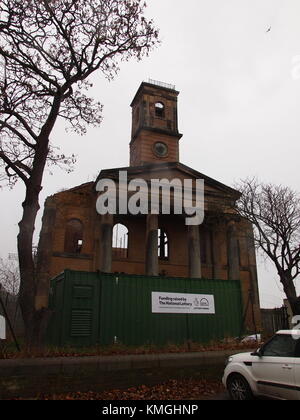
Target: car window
x,y
280,346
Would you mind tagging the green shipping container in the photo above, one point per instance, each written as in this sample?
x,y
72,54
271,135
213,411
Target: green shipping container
x,y
97,308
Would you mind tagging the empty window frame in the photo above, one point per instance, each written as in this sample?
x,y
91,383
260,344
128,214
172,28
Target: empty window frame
x,y
74,236
163,245
120,241
159,110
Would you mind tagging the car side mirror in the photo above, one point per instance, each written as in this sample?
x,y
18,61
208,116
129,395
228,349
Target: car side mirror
x,y
258,353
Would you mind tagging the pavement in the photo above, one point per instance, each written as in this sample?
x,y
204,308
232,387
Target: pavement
x,y
29,377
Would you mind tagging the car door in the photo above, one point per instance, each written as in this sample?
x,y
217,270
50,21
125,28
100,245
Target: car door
x,y
297,371
274,371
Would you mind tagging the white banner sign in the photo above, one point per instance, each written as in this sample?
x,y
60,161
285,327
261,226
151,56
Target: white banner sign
x,y
2,328
182,303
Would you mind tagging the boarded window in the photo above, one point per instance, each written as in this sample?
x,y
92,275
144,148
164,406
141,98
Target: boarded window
x,y
120,241
163,245
74,236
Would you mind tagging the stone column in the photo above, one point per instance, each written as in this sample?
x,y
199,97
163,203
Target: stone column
x,y
194,252
151,265
106,230
233,252
216,253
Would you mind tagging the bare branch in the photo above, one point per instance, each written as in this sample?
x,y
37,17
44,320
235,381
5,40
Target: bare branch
x,y
14,166
48,51
9,276
17,133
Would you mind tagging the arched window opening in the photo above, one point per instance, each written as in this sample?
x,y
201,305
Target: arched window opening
x,y
74,236
120,241
159,110
163,245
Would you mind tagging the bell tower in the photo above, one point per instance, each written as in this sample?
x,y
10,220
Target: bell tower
x,y
154,135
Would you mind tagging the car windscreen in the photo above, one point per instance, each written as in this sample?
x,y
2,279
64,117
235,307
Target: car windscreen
x,y
281,345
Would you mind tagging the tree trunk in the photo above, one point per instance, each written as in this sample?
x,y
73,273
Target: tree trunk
x,y
34,320
290,292
26,262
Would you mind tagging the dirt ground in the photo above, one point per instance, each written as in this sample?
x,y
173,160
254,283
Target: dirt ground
x,y
185,389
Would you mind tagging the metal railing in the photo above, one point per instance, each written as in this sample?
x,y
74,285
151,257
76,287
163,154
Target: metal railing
x,y
161,84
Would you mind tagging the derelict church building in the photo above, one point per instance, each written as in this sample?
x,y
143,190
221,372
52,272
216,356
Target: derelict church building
x,y
74,236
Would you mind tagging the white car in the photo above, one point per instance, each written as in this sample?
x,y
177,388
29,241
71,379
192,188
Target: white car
x,y
272,371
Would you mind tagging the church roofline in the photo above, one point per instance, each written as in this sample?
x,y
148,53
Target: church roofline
x,y
74,189
132,170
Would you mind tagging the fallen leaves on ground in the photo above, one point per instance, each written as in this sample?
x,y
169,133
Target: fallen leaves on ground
x,y
120,350
184,389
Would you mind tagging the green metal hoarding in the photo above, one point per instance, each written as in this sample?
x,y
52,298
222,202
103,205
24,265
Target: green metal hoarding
x,y
96,308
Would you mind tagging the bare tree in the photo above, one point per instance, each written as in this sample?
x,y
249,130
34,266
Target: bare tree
x,y
274,212
49,48
9,276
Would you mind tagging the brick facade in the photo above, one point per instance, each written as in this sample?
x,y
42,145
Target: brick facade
x,y
223,255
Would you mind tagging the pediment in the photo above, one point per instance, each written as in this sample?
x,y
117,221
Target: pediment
x,y
170,171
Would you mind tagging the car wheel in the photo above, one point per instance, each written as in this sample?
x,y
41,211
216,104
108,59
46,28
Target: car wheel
x,y
238,388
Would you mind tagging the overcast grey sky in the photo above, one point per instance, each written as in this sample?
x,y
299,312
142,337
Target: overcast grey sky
x,y
239,103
